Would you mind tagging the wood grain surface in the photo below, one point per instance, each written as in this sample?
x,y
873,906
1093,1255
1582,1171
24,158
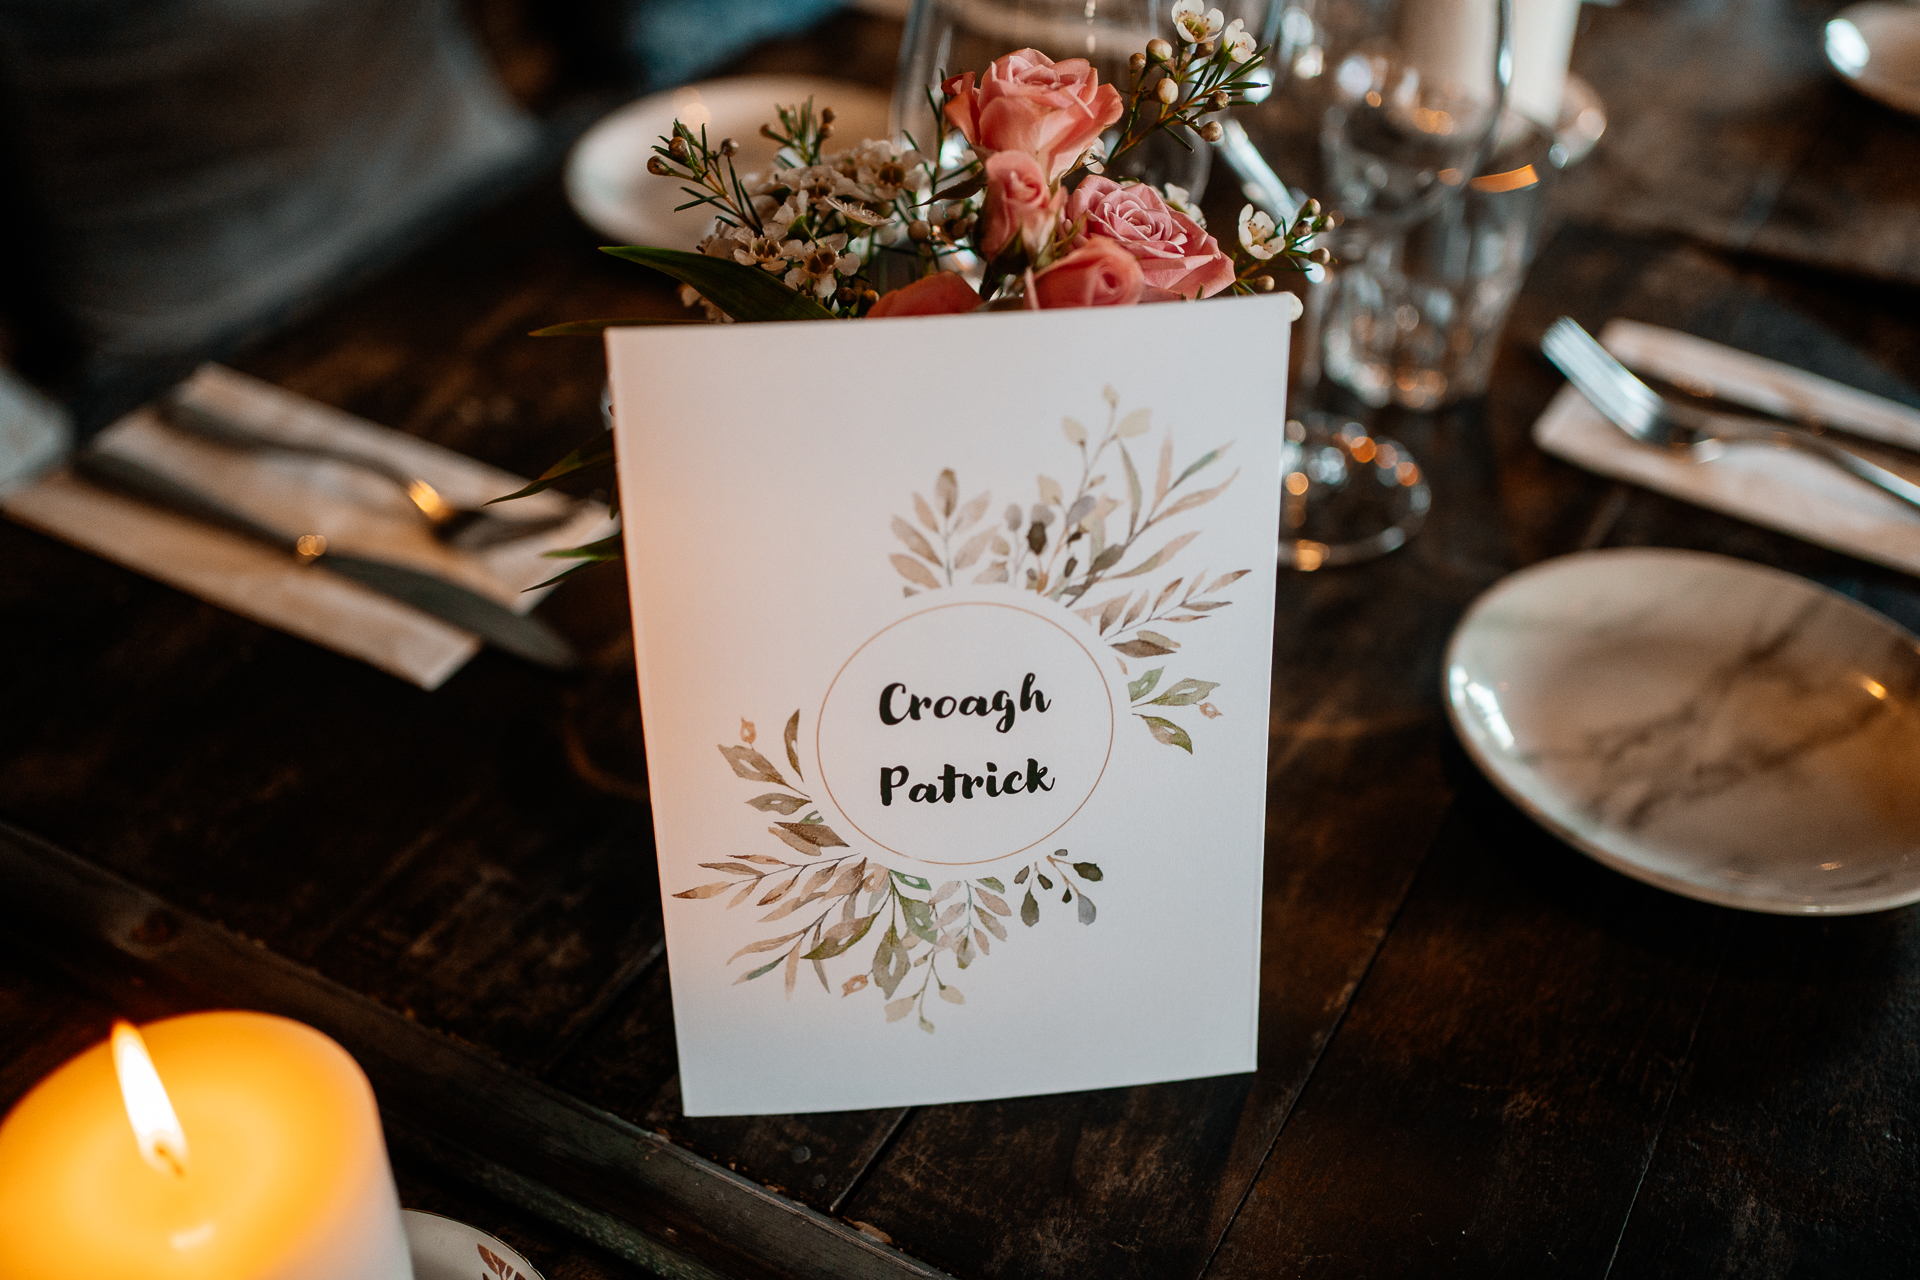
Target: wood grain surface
x,y
1481,1054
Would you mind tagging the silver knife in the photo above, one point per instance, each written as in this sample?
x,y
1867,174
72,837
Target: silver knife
x,y
468,610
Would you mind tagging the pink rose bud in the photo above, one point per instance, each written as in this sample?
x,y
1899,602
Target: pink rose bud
x,y
937,295
1052,111
1020,205
1174,253
1098,274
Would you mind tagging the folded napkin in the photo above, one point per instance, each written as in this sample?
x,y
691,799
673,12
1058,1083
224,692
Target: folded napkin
x,y
359,514
1778,488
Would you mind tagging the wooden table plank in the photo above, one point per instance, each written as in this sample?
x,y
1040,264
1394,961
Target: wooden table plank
x,y
1792,1148
1495,1090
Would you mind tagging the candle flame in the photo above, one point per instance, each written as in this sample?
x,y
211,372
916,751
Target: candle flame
x,y
162,1143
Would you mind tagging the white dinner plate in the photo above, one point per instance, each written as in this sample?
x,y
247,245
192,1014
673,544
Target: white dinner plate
x,y
443,1249
607,179
1875,46
1722,730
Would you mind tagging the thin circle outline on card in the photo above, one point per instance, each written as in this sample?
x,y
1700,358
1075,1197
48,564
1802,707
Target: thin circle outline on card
x,y
1106,757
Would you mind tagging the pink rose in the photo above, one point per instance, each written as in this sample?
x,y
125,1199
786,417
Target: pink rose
x,y
1098,274
1019,205
1174,253
936,295
1027,102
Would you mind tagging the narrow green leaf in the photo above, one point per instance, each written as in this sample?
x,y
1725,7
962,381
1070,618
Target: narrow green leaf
x,y
1144,685
1186,693
1205,459
915,881
992,883
594,328
597,452
605,549
743,292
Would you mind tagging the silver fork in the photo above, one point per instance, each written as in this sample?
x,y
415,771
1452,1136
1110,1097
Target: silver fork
x,y
1650,418
468,528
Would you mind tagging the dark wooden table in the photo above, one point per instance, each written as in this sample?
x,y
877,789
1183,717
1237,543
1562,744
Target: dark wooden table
x,y
1481,1054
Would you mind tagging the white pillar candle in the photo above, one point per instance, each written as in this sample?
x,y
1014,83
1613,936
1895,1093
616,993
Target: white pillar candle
x,y
249,1149
1454,40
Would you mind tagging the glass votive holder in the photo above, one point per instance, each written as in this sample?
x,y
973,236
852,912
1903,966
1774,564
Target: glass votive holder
x,y
1412,316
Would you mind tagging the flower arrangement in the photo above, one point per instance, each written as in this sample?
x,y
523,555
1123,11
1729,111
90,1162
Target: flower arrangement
x,y
1011,204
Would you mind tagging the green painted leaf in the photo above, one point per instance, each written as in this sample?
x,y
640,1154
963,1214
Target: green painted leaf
x,y
743,292
920,918
1144,685
1029,910
1087,871
1186,693
1205,459
765,968
1168,733
594,328
915,881
841,937
992,883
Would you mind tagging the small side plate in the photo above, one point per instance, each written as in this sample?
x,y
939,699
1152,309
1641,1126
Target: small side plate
x,y
1719,729
1875,46
607,179
443,1249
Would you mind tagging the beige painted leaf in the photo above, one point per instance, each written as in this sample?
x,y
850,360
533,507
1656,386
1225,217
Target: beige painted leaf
x,y
915,541
779,891
818,834
1137,423
1076,434
793,969
795,842
732,868
1158,558
1224,579
974,548
993,901
790,906
1050,492
980,941
971,513
952,995
820,877
1139,607
994,927
1164,480
995,572
751,765
793,737
856,983
747,890
1000,546
899,1009
1166,594
746,731
706,890
1141,648
946,492
766,944
944,892
925,512
913,571
1193,500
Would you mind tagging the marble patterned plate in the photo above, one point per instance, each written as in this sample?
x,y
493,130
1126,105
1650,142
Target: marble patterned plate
x,y
443,1249
1722,730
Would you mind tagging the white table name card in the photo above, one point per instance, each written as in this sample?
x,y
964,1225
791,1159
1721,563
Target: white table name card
x,y
978,611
